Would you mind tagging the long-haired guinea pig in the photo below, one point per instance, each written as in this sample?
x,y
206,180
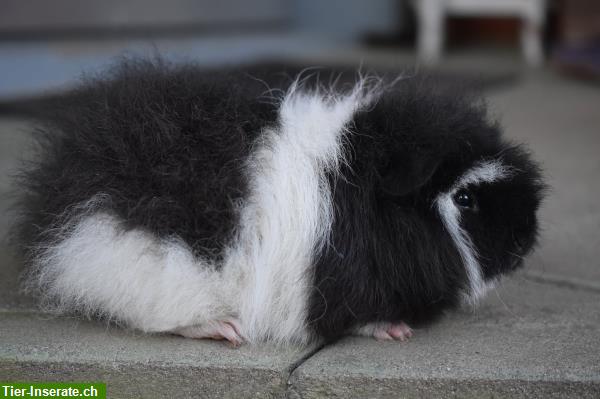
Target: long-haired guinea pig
x,y
170,199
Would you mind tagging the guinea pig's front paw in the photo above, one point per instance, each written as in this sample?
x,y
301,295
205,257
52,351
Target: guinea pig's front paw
x,y
219,330
386,331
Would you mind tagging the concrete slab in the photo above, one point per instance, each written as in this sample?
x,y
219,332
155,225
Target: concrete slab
x,y
39,347
10,270
529,339
559,119
14,140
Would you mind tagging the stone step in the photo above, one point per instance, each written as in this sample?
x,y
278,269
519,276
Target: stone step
x,y
528,339
38,347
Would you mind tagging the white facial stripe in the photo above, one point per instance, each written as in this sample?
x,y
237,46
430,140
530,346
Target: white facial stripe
x,y
484,172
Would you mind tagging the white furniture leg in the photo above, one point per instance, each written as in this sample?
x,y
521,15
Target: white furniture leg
x,y
431,26
531,33
432,14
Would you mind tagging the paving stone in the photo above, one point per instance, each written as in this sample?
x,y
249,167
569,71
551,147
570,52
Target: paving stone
x,y
560,122
528,339
40,347
14,140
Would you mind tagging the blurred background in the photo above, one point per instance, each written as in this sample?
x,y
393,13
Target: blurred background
x,y
537,61
45,45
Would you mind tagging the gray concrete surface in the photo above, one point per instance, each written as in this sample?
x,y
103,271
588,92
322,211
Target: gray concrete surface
x,y
560,120
39,347
528,339
536,336
14,142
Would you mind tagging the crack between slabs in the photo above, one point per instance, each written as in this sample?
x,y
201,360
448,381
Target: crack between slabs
x,y
290,372
563,282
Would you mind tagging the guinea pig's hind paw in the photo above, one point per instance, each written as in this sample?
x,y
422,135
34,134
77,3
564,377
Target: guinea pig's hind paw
x,y
387,331
218,330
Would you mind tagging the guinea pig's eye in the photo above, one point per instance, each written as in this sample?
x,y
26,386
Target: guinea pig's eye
x,y
465,199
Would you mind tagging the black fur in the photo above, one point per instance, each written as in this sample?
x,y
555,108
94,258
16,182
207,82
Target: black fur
x,y
166,147
390,258
164,144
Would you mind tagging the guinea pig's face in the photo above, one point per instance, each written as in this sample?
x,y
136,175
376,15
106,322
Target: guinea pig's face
x,y
496,203
490,214
441,159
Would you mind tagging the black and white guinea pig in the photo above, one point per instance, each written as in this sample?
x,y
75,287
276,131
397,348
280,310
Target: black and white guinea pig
x,y
169,199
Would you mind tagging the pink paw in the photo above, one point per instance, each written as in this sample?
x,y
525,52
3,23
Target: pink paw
x,y
392,331
386,331
219,330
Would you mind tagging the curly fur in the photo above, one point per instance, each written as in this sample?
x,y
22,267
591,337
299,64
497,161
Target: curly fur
x,y
166,197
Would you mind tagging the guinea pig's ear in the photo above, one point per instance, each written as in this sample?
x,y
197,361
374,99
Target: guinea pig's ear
x,y
403,175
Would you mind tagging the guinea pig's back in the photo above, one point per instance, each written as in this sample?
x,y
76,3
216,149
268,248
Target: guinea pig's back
x,y
173,197
158,148
134,193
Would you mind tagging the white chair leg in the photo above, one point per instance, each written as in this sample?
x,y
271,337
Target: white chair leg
x,y
430,36
531,33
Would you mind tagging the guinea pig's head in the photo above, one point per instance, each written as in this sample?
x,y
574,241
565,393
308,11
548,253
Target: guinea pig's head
x,y
444,179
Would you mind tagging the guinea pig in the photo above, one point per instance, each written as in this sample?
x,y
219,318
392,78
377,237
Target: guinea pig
x,y
166,198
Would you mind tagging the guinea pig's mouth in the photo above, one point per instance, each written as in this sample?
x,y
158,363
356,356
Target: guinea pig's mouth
x,y
516,261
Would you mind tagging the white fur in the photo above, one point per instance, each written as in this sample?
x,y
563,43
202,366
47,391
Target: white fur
x,y
130,277
484,172
156,284
289,213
